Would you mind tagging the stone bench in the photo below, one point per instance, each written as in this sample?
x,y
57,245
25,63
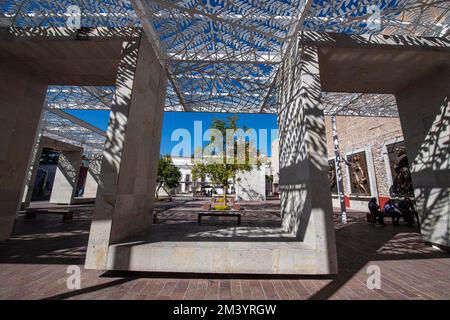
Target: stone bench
x,y
218,214
67,215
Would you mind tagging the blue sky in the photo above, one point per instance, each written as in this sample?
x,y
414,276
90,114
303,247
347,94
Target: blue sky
x,y
185,120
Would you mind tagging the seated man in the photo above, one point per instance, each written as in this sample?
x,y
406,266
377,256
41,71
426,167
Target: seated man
x,y
406,206
393,211
374,209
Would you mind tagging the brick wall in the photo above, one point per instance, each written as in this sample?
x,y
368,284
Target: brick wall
x,y
366,132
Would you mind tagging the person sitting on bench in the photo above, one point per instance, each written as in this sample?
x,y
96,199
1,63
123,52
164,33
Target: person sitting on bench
x,y
406,206
374,209
393,211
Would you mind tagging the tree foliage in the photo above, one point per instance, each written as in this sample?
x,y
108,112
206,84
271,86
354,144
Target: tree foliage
x,y
168,175
222,173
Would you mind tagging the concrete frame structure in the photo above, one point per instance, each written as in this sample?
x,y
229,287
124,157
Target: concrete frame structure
x,y
419,78
425,116
251,185
123,211
306,208
21,101
30,60
305,242
125,197
66,176
93,177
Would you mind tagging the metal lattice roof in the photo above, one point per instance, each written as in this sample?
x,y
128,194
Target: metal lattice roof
x,y
222,55
72,97
60,125
47,13
60,128
428,18
359,104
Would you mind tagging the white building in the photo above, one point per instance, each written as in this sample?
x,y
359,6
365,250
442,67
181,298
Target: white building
x,y
275,165
249,186
184,164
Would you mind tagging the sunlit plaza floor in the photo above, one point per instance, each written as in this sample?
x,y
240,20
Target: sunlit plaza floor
x,y
33,263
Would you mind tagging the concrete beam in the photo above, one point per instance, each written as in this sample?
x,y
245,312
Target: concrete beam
x,y
69,34
376,69
323,39
65,56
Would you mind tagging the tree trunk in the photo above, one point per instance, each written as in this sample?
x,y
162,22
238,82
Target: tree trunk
x,y
168,193
157,192
225,188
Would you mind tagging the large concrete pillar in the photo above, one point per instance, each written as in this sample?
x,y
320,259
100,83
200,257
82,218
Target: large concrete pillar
x,y
30,178
425,117
92,178
306,207
125,197
21,98
66,176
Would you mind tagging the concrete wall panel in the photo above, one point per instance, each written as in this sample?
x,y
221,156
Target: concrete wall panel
x,y
306,207
21,100
425,115
125,197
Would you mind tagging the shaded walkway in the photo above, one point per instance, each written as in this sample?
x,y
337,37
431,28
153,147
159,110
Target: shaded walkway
x,y
33,265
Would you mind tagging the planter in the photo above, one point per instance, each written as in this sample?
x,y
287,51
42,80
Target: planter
x,y
233,206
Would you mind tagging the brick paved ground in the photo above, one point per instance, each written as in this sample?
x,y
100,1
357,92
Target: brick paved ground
x,y
33,265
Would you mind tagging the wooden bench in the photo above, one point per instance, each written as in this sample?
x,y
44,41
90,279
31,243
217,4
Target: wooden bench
x,y
67,215
218,214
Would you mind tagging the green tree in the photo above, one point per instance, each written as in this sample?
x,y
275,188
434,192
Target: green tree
x,y
168,175
198,172
223,172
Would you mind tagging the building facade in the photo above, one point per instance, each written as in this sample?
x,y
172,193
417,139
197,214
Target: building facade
x,y
248,186
374,141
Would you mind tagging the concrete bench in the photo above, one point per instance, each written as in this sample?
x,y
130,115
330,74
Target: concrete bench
x,y
218,214
67,215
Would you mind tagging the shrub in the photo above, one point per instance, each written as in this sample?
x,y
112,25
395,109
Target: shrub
x,y
221,207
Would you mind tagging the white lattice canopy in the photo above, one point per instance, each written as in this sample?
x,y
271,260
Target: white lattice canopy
x,y
223,55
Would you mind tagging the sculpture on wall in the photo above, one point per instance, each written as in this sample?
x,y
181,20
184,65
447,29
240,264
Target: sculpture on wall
x,y
402,181
358,173
332,176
